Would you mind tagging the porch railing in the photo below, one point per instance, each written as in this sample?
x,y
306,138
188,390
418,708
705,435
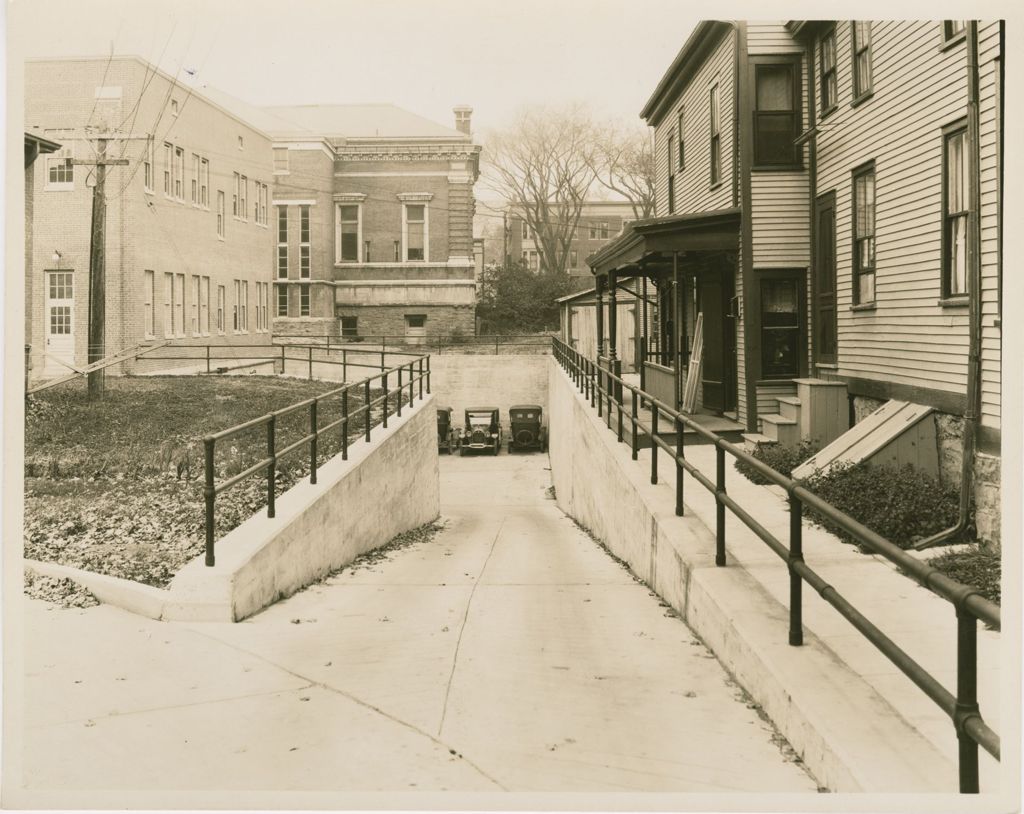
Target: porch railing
x,y
434,343
401,381
601,386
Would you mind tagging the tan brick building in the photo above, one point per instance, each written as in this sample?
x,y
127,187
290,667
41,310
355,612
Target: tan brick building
x,y
189,237
373,215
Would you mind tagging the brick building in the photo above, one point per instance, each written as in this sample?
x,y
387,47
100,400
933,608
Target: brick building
x,y
188,234
599,222
373,215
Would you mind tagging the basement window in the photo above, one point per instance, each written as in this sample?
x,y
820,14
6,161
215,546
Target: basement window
x,y
780,328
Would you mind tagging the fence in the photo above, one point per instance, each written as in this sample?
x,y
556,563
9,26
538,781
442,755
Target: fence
x,y
607,391
452,343
411,376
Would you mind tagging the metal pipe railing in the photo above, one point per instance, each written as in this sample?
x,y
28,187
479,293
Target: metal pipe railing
x,y
971,729
309,439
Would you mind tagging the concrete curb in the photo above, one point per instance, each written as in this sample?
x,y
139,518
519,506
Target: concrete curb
x,y
850,737
144,600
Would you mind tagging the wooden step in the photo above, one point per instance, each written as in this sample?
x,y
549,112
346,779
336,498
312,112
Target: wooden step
x,y
753,440
789,407
784,430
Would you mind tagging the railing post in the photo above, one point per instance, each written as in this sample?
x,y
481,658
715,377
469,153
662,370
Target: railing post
x,y
412,379
384,384
271,467
428,375
719,506
593,387
679,466
344,423
401,391
209,495
311,362
796,554
208,359
966,697
312,441
367,405
344,364
633,444
495,345
419,370
600,395
382,368
282,360
654,443
618,410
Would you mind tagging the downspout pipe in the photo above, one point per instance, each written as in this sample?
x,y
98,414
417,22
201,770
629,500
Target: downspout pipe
x,y
972,413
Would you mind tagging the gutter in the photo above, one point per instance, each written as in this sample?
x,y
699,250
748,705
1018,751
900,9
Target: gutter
x,y
972,413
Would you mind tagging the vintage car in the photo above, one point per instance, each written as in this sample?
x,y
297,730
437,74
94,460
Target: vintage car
x,y
482,431
527,431
445,430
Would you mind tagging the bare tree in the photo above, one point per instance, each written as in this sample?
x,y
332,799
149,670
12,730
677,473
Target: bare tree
x,y
623,162
543,165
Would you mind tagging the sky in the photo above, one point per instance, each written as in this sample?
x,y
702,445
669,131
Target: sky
x,y
425,56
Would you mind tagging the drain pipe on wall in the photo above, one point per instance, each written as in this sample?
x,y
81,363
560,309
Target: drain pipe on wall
x,y
972,413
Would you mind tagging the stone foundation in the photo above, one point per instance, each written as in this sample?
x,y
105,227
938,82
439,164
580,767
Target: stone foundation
x,y
987,497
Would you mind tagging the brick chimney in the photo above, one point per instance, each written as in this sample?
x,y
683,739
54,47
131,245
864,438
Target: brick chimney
x,y
463,114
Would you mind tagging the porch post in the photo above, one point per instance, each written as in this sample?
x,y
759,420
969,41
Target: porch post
x,y
599,291
677,299
643,334
613,316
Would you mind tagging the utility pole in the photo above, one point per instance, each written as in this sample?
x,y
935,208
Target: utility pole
x,y
97,266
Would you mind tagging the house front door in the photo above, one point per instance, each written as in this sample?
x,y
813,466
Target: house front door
x,y
60,322
824,316
718,369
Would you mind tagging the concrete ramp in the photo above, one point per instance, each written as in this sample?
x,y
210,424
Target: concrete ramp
x,y
896,433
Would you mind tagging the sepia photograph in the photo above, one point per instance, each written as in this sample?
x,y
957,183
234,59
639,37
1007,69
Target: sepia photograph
x,y
538,406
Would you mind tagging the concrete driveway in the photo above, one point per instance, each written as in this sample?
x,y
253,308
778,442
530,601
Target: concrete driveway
x,y
510,652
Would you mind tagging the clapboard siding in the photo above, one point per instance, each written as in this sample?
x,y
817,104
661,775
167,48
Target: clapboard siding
x,y
770,37
781,229
918,89
693,192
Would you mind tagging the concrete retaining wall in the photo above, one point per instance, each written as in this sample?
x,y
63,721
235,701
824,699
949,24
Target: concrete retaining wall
x,y
461,381
849,736
385,488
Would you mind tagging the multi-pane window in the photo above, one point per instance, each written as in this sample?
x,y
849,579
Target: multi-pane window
x,y
196,282
304,300
864,235
244,318
220,213
681,134
780,328
204,183
194,181
574,258
415,231
304,242
179,304
398,251
350,326
263,204
280,159
603,230
179,173
348,233
264,303
147,166
221,301
243,196
204,307
671,174
861,58
526,231
593,231
234,196
282,300
236,309
776,117
827,67
168,168
952,29
715,135
168,304
955,213
148,313
282,243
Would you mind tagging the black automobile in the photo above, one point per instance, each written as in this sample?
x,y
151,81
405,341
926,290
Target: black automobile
x,y
481,431
527,430
445,430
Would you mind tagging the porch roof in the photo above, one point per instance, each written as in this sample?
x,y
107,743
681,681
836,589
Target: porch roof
x,y
651,240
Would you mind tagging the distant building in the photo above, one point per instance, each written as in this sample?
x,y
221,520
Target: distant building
x,y
35,146
599,222
373,213
188,235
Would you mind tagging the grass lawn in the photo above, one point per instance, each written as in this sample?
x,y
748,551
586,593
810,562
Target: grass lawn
x,y
96,496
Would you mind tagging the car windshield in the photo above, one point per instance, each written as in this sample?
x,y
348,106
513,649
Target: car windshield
x,y
480,419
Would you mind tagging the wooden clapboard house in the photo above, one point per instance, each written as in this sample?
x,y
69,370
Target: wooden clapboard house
x,y
828,199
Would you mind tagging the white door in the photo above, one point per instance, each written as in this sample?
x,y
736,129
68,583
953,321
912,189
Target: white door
x,y
60,322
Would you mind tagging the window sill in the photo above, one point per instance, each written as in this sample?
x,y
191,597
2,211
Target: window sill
x,y
862,98
715,186
780,380
827,365
826,113
798,167
867,306
149,191
962,301
953,42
